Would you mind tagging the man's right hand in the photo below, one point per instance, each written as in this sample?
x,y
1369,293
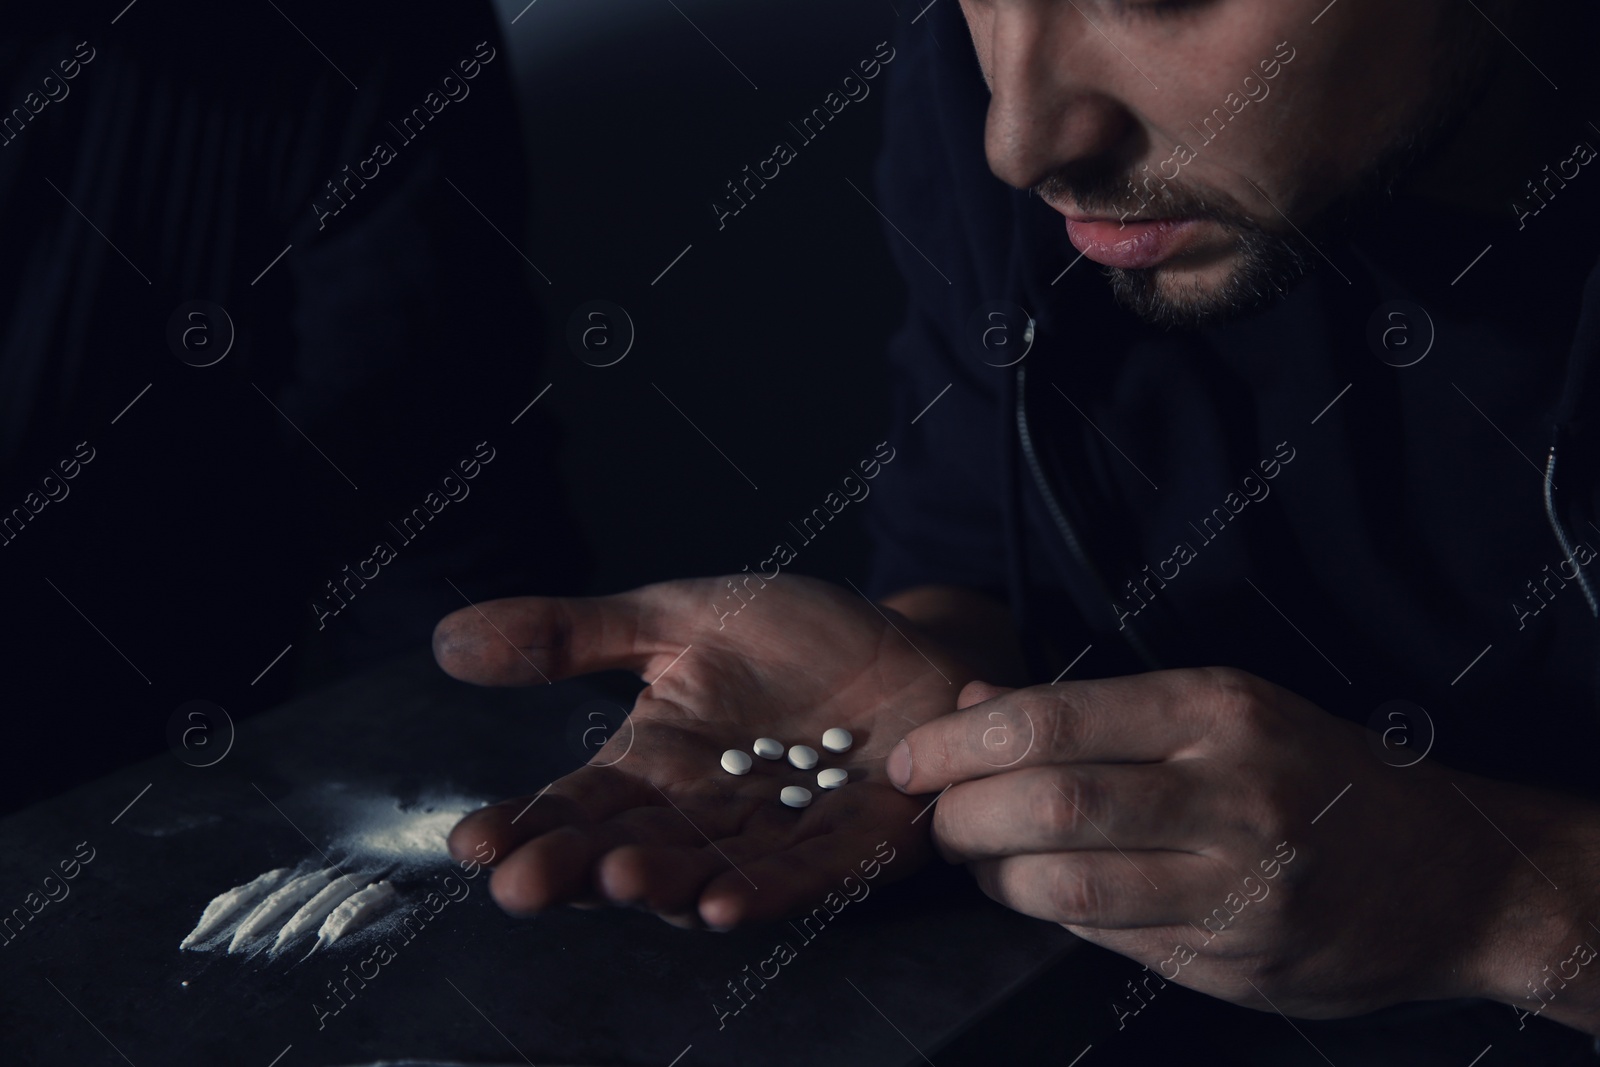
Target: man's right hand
x,y
653,821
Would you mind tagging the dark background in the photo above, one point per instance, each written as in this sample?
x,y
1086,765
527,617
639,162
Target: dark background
x,y
769,333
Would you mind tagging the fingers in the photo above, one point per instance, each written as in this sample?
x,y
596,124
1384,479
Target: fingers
x,y
818,872
587,795
770,868
531,640
1103,890
723,887
559,866
1073,806
655,860
846,839
1140,718
501,827
662,879
555,847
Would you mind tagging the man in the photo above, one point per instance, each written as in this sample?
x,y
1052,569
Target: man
x,y
1322,445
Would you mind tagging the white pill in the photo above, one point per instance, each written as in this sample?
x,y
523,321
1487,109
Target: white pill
x,y
837,740
833,777
803,756
768,748
736,762
796,796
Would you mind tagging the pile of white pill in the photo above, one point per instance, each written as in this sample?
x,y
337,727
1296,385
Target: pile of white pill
x,y
801,757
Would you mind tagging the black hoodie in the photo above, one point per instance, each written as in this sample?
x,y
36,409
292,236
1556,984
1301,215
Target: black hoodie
x,y
1269,494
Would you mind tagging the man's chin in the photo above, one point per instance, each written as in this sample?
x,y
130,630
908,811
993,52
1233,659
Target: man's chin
x,y
1258,272
1165,297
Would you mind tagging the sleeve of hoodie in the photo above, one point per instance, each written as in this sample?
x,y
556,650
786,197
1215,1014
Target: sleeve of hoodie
x,y
935,515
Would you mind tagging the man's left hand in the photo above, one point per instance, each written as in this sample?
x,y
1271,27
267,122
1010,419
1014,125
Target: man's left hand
x,y
1226,833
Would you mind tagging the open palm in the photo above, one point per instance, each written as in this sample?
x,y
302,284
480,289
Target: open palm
x,y
653,821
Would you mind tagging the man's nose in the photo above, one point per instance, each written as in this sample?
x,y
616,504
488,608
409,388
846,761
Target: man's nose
x,y
1051,102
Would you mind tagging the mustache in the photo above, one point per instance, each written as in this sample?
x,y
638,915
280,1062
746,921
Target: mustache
x,y
1113,192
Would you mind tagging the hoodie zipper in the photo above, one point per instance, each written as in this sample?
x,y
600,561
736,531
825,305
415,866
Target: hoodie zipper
x,y
1561,531
1062,523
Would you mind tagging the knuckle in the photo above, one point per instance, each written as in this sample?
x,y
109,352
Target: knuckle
x,y
1058,720
1002,735
1229,686
1238,699
939,751
1276,805
1075,895
1051,811
1068,804
990,734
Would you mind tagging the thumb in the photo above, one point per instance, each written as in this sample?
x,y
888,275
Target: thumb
x,y
532,640
969,743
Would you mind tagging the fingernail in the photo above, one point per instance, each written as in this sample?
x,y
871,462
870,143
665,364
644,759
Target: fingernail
x,y
898,765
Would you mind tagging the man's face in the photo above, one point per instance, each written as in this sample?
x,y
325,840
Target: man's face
x,y
1180,139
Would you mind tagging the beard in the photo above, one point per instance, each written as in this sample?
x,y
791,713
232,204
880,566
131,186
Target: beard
x,y
1269,261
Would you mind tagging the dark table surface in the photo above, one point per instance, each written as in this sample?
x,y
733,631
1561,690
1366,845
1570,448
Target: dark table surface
x,y
96,976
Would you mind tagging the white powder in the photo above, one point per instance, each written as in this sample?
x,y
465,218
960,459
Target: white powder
x,y
273,908
313,911
374,833
229,904
384,831
356,911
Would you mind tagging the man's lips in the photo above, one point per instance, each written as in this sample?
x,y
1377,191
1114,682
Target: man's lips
x,y
1131,244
